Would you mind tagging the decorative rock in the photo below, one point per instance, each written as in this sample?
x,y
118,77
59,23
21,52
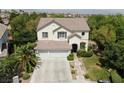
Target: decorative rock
x,y
15,79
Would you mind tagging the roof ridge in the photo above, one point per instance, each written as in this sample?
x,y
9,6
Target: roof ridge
x,y
74,34
73,24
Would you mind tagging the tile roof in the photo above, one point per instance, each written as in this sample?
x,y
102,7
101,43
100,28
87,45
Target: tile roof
x,y
2,29
52,45
74,34
73,24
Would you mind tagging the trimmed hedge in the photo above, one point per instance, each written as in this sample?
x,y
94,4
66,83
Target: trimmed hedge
x,y
87,54
115,77
70,57
82,53
26,76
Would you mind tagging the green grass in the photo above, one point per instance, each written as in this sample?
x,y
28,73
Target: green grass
x,y
94,71
122,80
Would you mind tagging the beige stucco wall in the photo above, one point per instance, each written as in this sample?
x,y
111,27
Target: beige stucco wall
x,y
61,30
85,36
48,29
74,40
77,40
53,35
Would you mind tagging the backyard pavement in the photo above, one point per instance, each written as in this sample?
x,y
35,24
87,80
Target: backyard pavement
x,y
52,71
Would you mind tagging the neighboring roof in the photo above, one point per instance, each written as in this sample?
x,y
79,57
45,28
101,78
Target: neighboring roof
x,y
2,29
74,35
73,24
52,45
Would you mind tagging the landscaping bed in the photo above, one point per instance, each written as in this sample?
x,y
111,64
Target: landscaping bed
x,y
27,80
73,70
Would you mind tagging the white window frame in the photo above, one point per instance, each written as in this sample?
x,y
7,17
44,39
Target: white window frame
x,y
62,35
44,34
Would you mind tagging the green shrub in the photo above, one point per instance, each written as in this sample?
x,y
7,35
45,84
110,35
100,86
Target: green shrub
x,y
70,57
26,76
86,76
73,71
82,53
89,48
72,66
115,77
87,54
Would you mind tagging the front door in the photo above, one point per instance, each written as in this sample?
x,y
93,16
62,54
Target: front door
x,y
74,47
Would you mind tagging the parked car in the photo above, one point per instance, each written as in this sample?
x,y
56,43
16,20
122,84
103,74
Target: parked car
x,y
103,81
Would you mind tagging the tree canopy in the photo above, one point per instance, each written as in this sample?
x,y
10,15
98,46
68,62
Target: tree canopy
x,y
23,28
108,32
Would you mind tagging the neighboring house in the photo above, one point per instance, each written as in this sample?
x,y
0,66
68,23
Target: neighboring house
x,y
57,37
3,40
5,18
4,15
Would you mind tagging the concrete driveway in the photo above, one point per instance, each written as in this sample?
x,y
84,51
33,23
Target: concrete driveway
x,y
52,71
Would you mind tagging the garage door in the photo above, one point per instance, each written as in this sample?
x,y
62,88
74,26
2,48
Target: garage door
x,y
54,54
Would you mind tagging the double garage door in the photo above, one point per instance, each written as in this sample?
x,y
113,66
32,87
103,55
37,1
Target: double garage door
x,y
53,54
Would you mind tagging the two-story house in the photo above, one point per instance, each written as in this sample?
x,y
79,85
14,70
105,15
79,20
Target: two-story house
x,y
57,37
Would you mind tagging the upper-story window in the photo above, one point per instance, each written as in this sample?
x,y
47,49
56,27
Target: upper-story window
x,y
83,33
62,35
45,34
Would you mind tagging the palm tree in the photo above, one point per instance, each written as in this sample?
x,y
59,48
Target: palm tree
x,y
27,57
24,59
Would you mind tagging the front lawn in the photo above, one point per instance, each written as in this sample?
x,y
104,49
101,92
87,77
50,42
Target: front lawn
x,y
94,71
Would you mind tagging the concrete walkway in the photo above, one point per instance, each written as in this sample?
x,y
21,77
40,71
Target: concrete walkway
x,y
52,71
